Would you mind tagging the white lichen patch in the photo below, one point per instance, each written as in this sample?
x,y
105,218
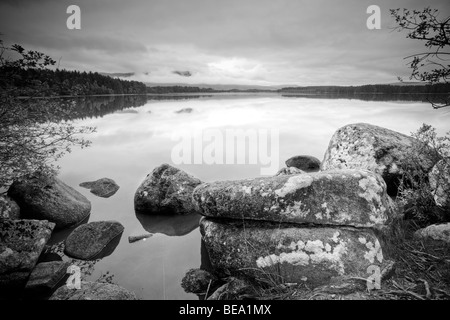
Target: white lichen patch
x,y
297,209
247,190
7,252
311,252
374,251
335,237
293,184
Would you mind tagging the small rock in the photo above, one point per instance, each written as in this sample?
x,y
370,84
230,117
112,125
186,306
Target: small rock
x,y
167,190
305,163
289,171
48,198
198,281
45,276
88,240
93,291
132,239
435,232
103,187
9,209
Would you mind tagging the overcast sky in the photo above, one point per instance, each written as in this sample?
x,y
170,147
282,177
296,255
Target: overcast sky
x,y
263,42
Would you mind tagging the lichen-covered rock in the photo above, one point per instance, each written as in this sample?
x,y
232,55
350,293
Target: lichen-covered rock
x,y
9,209
88,240
314,256
103,187
198,281
21,243
440,183
45,276
305,163
289,171
166,190
340,197
93,291
365,146
48,198
435,232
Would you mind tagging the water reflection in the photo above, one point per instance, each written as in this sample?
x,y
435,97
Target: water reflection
x,y
170,225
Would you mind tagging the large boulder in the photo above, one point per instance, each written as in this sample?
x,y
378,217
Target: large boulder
x,y
46,276
93,291
103,187
166,190
435,231
314,256
48,198
305,163
21,243
9,209
365,146
340,197
87,241
440,183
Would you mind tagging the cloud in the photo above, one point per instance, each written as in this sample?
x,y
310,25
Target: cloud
x,y
183,73
247,42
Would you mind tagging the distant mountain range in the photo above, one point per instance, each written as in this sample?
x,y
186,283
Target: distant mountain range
x,y
217,86
226,87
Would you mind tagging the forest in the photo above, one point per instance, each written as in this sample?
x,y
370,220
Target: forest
x,y
72,83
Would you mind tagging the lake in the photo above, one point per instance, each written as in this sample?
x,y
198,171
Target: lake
x,y
135,135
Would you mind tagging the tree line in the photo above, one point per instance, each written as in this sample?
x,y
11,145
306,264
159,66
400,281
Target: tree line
x,y
437,88
72,83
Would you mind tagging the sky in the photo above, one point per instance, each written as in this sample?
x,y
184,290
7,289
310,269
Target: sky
x,y
251,42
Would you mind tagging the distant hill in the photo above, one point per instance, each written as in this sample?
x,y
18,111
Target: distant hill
x,y
120,75
408,83
224,87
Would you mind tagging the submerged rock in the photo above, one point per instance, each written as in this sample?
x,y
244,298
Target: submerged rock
x,y
314,256
48,198
46,276
185,110
94,291
436,232
103,187
339,197
288,171
305,163
440,183
167,190
199,281
87,241
365,146
9,209
21,243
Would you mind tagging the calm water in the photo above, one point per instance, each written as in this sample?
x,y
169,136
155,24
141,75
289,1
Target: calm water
x,y
134,137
